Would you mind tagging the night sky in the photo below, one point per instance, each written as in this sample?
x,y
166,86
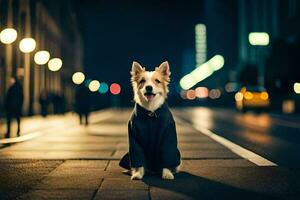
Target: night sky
x,y
116,33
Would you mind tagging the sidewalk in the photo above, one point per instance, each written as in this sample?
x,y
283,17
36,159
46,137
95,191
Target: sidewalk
x,y
75,162
29,124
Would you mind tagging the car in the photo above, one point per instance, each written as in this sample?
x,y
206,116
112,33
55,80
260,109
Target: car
x,y
252,98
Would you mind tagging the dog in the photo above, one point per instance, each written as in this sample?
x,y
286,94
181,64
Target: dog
x,y
151,128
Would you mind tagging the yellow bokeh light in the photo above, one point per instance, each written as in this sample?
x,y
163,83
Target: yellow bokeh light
x,y
41,57
27,45
8,35
248,95
94,86
78,78
54,64
297,88
264,96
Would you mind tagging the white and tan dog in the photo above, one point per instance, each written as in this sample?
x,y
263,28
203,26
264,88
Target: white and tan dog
x,y
151,129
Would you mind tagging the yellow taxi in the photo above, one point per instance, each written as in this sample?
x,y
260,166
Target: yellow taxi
x,y
253,97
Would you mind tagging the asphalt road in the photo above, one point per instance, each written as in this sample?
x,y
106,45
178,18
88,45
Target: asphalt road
x,y
68,161
275,137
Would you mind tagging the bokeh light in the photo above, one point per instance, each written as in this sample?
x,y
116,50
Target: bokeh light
x,y
78,78
297,88
55,64
183,94
103,88
231,87
259,38
264,96
191,94
238,96
27,45
201,92
8,35
94,86
248,95
41,57
115,88
202,72
214,94
87,82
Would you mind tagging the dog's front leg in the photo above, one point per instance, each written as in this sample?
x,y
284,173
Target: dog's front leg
x,y
167,174
137,173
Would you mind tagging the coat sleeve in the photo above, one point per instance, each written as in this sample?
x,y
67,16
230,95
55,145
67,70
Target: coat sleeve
x,y
136,154
169,153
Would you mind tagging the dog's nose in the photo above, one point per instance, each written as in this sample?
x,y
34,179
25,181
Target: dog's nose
x,y
149,88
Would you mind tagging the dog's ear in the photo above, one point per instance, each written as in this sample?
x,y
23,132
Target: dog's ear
x,y
136,68
164,69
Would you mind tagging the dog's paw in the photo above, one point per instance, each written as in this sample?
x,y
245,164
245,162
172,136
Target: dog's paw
x,y
167,174
137,173
137,176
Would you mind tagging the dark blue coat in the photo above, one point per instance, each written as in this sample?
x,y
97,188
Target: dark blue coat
x,y
152,140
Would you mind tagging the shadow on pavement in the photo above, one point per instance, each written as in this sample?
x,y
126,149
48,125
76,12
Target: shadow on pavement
x,y
196,187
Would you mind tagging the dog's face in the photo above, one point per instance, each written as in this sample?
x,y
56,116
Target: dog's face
x,y
150,87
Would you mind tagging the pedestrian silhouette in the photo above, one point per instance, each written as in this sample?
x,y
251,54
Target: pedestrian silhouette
x,y
58,101
44,102
82,103
13,104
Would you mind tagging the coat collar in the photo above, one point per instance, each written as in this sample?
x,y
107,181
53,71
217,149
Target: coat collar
x,y
139,110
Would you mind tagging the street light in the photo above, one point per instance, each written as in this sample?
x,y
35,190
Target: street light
x,y
55,64
41,57
94,86
27,45
78,78
8,35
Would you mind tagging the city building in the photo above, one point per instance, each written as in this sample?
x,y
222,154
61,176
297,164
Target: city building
x,y
54,28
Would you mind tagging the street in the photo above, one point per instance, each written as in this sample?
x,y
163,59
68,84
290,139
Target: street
x,y
68,161
275,137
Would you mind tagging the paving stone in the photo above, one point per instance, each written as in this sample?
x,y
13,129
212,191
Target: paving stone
x,y
69,182
196,164
81,172
99,164
159,193
117,130
113,165
58,195
193,139
201,146
122,184
120,153
207,154
268,181
122,195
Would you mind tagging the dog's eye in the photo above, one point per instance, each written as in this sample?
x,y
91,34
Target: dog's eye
x,y
142,81
157,81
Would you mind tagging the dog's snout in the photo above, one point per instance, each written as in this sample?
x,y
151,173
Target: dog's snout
x,y
149,88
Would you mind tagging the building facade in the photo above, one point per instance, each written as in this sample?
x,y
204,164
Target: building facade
x,y
54,27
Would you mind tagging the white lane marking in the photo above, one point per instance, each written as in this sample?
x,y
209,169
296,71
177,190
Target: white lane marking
x,y
241,151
